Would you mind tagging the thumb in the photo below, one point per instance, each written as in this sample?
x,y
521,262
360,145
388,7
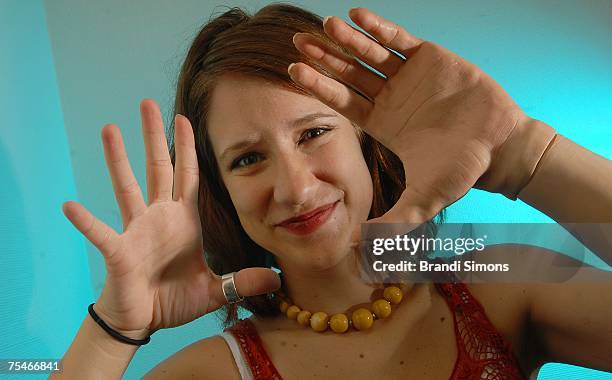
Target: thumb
x,y
412,208
249,282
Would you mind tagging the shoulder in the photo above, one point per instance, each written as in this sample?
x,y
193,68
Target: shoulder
x,y
507,303
208,358
498,293
566,314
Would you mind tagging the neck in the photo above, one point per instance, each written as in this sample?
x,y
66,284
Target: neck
x,y
332,290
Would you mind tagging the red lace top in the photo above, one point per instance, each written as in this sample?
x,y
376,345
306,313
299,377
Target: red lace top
x,y
483,354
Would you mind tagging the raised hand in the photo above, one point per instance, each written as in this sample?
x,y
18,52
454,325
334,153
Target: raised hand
x,y
448,121
157,276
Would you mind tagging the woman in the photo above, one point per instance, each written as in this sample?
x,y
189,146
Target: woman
x,y
273,168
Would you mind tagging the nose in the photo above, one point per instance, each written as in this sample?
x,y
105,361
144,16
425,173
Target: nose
x,y
295,183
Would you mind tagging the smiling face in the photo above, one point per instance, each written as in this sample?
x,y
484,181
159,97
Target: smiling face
x,y
281,155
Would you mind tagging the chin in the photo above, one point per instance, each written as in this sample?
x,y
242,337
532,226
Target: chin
x,y
324,257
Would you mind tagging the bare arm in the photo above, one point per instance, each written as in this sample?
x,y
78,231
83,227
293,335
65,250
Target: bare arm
x,y
573,186
209,358
571,321
94,354
567,322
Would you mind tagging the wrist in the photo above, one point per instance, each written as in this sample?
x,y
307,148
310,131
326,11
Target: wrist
x,y
95,354
419,208
100,341
515,162
138,334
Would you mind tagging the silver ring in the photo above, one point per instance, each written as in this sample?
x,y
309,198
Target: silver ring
x,y
229,288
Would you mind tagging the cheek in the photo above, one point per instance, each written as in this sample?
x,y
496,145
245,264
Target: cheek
x,y
351,173
248,203
362,189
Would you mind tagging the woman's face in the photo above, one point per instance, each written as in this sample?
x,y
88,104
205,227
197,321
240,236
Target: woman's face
x,y
281,155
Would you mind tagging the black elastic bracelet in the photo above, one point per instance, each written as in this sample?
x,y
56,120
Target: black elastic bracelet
x,y
114,333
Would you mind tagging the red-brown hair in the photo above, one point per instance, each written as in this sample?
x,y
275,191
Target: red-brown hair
x,y
258,46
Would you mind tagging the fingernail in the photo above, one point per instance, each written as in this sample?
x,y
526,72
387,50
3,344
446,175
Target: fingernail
x,y
293,75
179,116
326,19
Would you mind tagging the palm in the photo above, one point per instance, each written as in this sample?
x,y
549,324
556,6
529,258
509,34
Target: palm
x,y
157,276
162,259
442,167
444,149
441,115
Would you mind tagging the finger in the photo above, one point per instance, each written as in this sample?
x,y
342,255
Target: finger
x,y
187,174
97,232
333,94
249,282
386,32
345,68
126,188
413,207
159,166
365,48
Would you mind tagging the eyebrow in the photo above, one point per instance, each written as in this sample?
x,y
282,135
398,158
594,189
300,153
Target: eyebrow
x,y
294,124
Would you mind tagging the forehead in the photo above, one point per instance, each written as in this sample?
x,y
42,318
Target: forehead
x,y
243,106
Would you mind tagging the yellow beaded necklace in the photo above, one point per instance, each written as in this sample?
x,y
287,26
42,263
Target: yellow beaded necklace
x,y
361,319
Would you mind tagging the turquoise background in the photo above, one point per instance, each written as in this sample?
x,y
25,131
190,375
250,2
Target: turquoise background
x,y
67,67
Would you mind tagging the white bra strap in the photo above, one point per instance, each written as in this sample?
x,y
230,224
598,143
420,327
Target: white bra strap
x,y
243,367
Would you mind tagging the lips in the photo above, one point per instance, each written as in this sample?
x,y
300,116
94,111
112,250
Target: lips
x,y
309,222
307,215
